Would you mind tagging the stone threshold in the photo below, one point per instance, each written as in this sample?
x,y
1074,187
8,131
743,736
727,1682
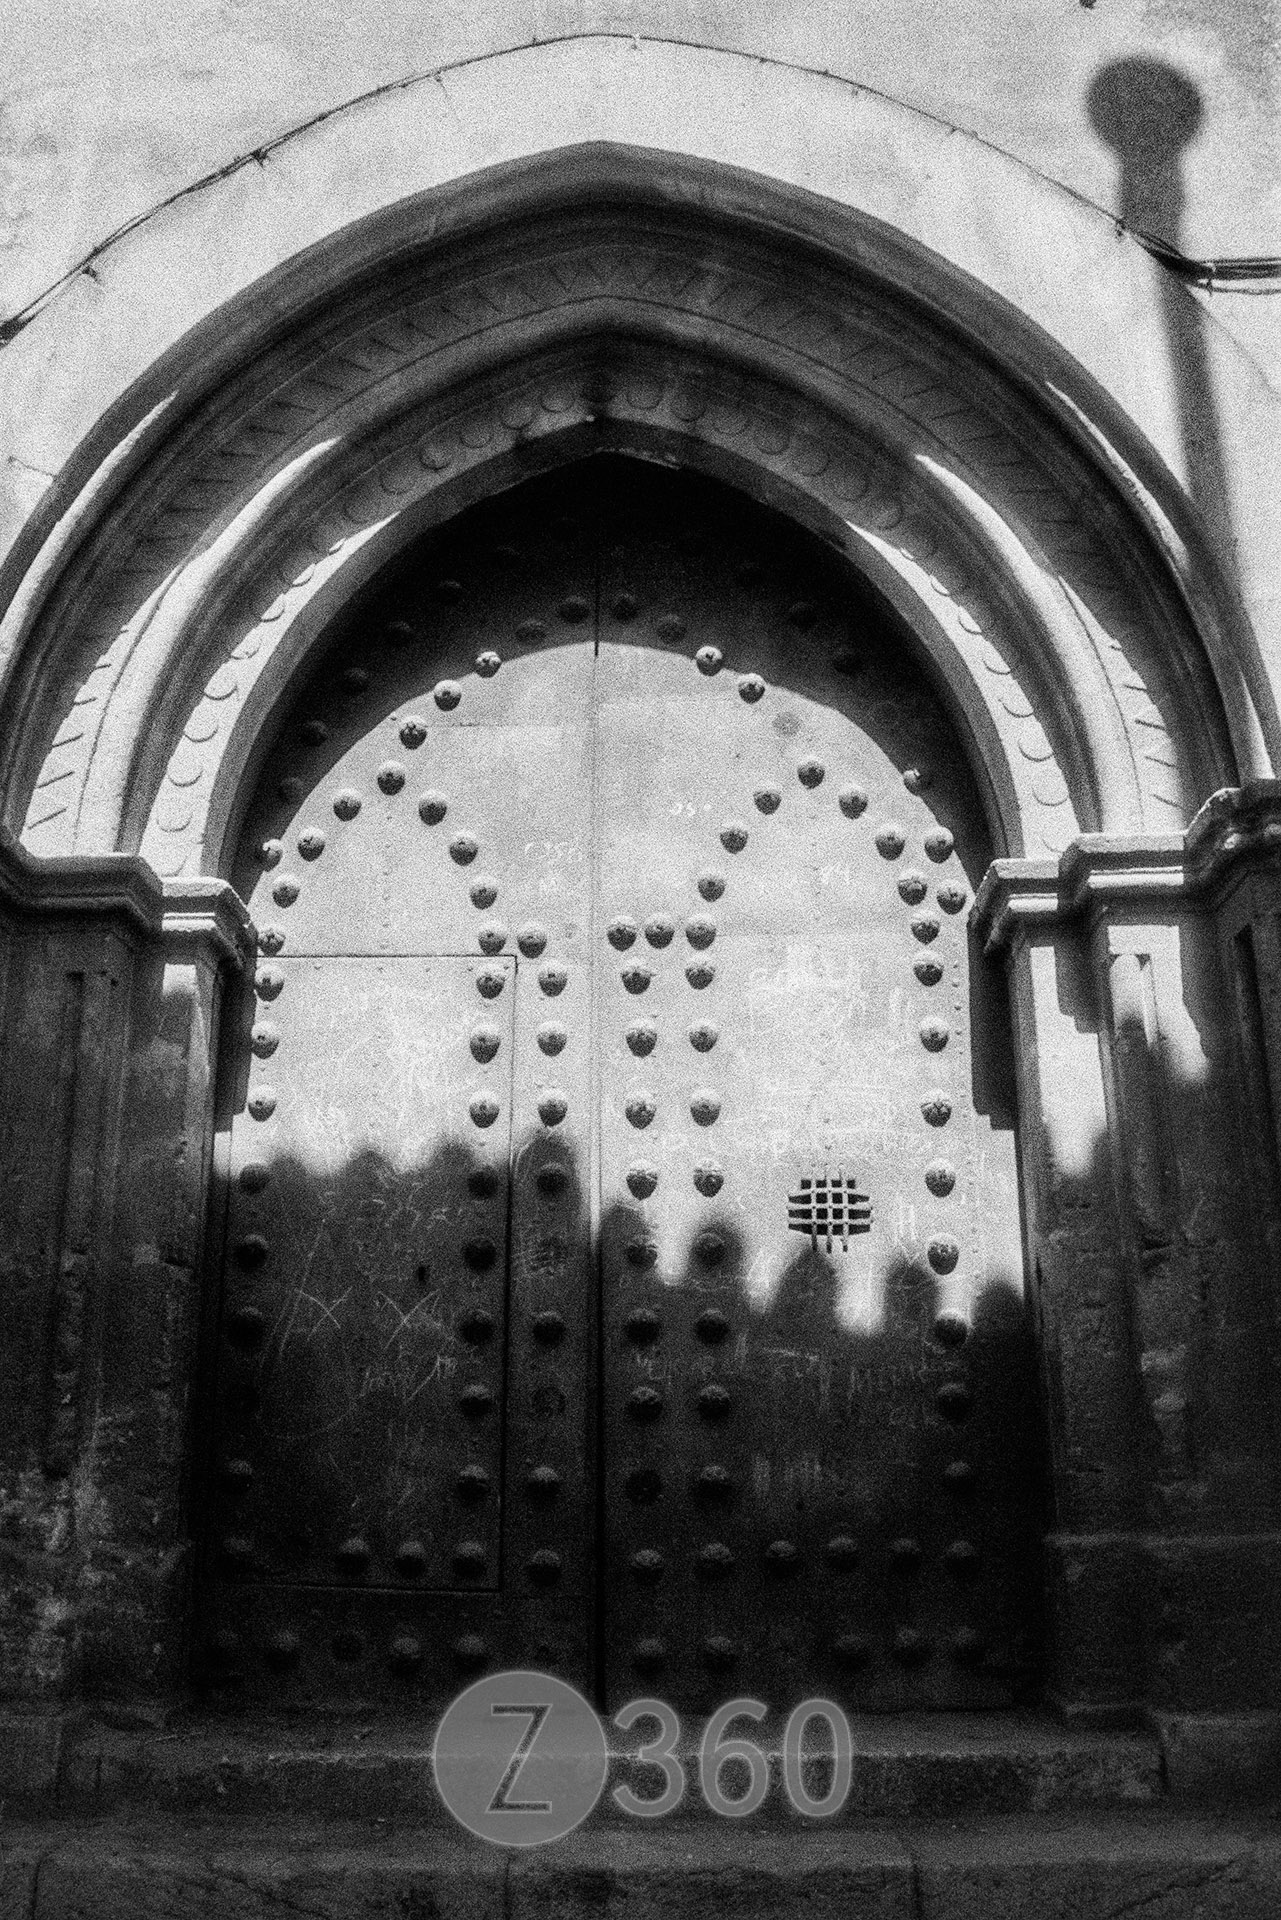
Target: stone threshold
x,y
1158,1862
928,1766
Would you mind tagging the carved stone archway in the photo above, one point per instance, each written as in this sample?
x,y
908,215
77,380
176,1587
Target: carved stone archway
x,y
150,662
1070,657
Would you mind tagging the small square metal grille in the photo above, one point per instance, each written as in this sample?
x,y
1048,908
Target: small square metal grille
x,y
829,1208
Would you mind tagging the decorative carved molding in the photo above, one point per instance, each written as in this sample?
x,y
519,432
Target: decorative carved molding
x,y
124,887
209,916
1095,872
170,641
117,885
176,827
1237,831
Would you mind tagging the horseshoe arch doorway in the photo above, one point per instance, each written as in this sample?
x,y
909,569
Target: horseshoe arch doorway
x,y
618,1252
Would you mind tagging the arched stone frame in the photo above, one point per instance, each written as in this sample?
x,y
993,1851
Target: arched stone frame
x,y
1068,304
165,645
689,340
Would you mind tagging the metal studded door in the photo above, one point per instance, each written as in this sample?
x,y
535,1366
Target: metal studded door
x,y
819,1441
622,1266
400,1486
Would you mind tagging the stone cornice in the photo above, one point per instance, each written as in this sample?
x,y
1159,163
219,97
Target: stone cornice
x,y
1238,829
208,913
115,885
123,888
1104,870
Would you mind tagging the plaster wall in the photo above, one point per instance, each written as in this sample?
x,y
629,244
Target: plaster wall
x,y
109,108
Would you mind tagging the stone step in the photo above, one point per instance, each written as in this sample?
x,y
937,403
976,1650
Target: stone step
x,y
1154,1863
931,1766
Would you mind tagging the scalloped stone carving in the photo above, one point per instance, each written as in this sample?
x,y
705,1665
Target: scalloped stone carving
x,y
159,643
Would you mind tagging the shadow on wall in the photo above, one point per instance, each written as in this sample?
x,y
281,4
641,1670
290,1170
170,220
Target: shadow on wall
x,y
401,1416
1149,113
409,1376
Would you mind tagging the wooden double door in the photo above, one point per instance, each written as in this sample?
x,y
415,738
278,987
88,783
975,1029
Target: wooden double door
x,y
619,1255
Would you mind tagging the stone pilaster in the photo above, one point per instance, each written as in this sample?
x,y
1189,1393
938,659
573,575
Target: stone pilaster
x,y
1076,1268
109,1011
1177,1575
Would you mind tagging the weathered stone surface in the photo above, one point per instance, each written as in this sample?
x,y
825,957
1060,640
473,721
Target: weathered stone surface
x,y
32,1745
1221,1759
938,1765
723,1873
1065,1869
1167,1870
202,85
19,1864
323,1873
